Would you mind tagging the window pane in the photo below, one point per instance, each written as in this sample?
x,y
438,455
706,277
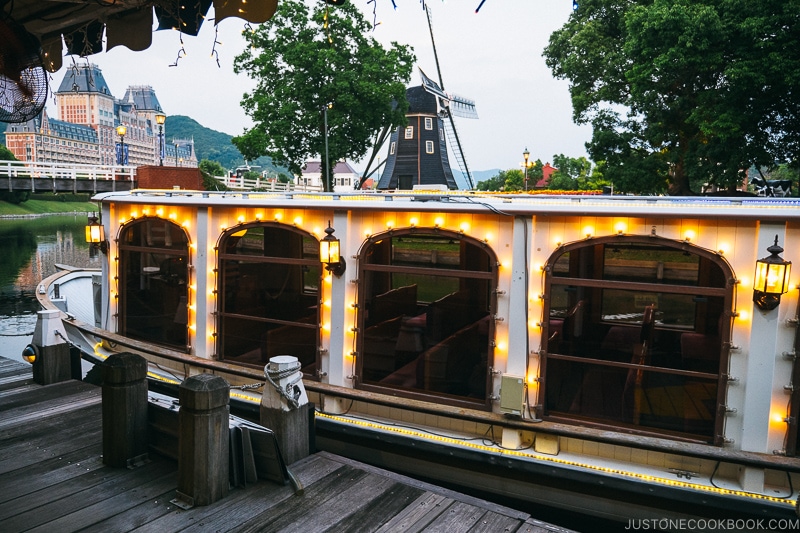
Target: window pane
x,y
425,332
650,264
154,295
254,342
641,350
646,399
269,306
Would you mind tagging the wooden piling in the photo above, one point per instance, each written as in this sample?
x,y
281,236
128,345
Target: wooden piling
x,y
53,363
203,440
124,409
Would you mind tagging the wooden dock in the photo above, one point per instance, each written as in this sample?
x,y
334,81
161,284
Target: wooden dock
x,y
52,478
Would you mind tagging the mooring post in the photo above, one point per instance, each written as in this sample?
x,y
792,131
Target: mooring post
x,y
52,363
203,440
285,407
124,410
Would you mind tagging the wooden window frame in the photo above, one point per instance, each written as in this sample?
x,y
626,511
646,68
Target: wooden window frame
x,y
593,280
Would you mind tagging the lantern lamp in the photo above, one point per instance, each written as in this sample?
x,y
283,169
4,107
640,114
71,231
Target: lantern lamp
x,y
329,253
771,279
95,235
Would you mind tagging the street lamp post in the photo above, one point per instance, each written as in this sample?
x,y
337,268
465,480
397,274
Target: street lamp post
x,y
160,119
327,161
526,154
176,153
121,131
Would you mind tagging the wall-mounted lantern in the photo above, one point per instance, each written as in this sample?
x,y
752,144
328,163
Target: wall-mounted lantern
x,y
95,235
771,279
329,253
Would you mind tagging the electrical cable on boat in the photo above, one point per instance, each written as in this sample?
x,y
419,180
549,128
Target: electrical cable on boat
x,y
788,477
467,199
167,371
418,429
16,334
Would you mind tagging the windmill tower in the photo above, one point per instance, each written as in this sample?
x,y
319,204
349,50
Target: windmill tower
x,y
418,152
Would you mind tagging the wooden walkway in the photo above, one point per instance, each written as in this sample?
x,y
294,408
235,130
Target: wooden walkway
x,y
52,478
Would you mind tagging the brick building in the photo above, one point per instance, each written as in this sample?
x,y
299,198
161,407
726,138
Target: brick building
x,y
86,132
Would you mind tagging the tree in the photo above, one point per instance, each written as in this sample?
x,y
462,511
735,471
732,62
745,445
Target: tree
x,y
319,66
683,92
212,168
570,174
506,180
13,197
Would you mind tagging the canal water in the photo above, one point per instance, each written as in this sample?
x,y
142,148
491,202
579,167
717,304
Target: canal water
x,y
30,248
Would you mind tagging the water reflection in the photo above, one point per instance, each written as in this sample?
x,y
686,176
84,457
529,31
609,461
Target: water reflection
x,y
31,249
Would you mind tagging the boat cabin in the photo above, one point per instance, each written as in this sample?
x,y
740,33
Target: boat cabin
x,y
569,320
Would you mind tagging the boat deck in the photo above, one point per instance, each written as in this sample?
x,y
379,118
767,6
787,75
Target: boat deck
x,y
52,478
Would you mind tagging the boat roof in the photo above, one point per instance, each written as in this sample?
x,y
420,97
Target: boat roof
x,y
476,202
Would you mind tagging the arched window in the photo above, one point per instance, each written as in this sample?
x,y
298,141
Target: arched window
x,y
153,270
637,336
426,298
269,278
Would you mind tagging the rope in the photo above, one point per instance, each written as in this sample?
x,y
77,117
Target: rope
x,y
291,393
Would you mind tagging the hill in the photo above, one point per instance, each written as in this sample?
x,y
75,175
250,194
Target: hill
x,y
477,176
211,144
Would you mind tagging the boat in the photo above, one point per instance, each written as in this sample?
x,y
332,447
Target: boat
x,y
623,357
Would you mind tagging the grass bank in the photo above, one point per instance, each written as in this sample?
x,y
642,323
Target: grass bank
x,y
41,207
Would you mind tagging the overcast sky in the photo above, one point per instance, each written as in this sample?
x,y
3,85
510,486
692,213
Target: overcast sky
x,y
493,57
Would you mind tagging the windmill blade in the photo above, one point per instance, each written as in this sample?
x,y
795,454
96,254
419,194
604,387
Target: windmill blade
x,y
462,107
455,145
432,87
433,43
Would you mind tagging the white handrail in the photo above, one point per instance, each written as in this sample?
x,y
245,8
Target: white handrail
x,y
66,171
262,184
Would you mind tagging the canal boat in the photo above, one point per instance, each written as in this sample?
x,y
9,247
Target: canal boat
x,y
617,356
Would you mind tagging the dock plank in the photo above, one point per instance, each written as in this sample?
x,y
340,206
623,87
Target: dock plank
x,y
458,517
92,488
381,509
39,433
348,499
25,481
21,455
292,509
52,479
492,522
418,515
234,509
87,515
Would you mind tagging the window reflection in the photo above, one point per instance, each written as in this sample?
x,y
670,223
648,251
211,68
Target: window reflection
x,y
153,282
425,307
634,335
269,305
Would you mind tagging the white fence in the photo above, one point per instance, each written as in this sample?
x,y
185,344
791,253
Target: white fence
x,y
65,171
264,184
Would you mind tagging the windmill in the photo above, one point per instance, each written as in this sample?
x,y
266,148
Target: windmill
x,y
418,153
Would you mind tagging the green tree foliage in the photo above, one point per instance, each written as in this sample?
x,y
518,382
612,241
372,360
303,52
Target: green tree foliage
x,y
303,60
506,180
570,174
213,168
209,171
13,197
683,92
6,154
